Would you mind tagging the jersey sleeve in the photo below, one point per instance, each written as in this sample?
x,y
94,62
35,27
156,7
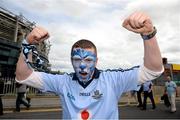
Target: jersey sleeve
x,y
54,83
46,82
34,80
146,74
123,80
129,79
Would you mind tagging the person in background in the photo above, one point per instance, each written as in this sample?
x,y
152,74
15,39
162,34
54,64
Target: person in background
x,y
1,94
26,95
21,91
171,91
147,89
139,92
1,106
131,94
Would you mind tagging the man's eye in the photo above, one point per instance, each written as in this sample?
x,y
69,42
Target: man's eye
x,y
88,60
76,59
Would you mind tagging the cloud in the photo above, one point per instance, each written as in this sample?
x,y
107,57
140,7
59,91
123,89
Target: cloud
x,y
100,21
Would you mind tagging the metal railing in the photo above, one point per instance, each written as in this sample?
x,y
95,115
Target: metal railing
x,y
8,87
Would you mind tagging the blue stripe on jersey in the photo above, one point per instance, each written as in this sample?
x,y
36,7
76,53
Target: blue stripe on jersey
x,y
121,70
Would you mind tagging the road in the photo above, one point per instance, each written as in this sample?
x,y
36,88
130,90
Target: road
x,y
126,112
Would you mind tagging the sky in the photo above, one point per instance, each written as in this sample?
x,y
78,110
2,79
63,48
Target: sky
x,y
101,22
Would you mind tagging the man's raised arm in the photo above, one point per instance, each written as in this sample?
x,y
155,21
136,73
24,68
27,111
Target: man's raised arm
x,y
37,35
140,23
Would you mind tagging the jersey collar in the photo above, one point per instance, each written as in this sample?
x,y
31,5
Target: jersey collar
x,y
95,76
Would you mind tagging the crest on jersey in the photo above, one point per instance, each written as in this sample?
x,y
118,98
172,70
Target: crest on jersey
x,y
70,96
97,94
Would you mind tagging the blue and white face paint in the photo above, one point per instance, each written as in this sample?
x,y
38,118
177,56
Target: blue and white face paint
x,y
84,63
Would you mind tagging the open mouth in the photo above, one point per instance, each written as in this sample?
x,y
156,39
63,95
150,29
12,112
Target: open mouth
x,y
83,73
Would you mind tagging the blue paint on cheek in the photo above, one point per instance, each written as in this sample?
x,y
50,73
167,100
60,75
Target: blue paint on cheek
x,y
92,68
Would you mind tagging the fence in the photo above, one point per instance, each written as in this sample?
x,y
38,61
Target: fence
x,y
8,87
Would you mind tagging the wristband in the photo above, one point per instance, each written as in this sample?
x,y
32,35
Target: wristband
x,y
148,37
30,48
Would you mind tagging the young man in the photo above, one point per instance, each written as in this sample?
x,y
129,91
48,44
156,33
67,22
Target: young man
x,y
90,93
171,91
147,89
1,94
139,92
21,99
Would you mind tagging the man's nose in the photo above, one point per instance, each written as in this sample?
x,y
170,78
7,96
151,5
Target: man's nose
x,y
82,66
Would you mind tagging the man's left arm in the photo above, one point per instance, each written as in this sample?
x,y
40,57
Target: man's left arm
x,y
141,23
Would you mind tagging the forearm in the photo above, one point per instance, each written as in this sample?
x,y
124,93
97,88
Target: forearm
x,y
152,55
36,36
22,69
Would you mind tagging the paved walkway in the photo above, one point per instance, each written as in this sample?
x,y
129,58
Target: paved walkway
x,y
37,102
52,102
125,112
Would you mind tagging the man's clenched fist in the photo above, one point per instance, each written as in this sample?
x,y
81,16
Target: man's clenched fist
x,y
37,35
139,22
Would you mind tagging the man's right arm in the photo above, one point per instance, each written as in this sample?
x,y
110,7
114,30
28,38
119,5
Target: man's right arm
x,y
22,69
37,35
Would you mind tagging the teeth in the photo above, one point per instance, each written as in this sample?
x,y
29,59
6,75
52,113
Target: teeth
x,y
83,73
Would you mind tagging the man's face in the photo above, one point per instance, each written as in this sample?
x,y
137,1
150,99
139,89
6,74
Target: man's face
x,y
168,78
84,63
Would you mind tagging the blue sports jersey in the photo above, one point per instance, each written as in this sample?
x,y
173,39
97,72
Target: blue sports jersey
x,y
98,99
147,86
171,87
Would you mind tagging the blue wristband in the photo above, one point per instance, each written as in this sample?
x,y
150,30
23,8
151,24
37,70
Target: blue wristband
x,y
30,48
148,37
